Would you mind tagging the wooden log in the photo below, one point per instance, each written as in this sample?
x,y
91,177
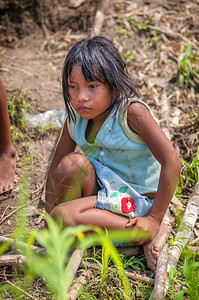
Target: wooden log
x,y
15,242
160,274
73,266
186,227
12,260
184,232
80,281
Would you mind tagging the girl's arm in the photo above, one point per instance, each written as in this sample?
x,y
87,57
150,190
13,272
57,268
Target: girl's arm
x,y
64,146
142,122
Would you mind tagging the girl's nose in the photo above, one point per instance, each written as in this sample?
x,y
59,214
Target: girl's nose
x,y
82,95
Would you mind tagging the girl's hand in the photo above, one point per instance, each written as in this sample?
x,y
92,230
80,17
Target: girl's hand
x,y
148,224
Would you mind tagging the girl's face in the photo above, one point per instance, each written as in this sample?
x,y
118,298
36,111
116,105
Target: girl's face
x,y
90,99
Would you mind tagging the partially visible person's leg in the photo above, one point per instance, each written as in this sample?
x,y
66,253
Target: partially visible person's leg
x,y
7,150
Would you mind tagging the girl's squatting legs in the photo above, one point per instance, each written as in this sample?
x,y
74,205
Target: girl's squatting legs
x,y
74,184
75,189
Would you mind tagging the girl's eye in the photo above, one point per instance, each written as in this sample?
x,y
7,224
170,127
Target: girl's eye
x,y
92,86
73,87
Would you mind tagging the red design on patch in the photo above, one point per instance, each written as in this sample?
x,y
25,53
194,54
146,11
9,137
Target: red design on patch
x,y
128,205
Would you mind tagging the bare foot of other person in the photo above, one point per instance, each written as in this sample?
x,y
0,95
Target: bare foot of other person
x,y
7,169
152,248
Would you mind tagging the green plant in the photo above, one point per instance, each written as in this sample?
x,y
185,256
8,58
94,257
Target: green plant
x,y
138,25
190,173
190,284
186,71
16,104
153,39
129,55
123,32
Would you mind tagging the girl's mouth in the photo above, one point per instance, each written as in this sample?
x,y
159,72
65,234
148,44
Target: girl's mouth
x,y
83,108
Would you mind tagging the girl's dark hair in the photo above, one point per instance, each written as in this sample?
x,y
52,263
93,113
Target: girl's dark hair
x,y
100,60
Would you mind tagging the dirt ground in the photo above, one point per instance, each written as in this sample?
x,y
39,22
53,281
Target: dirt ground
x,y
32,59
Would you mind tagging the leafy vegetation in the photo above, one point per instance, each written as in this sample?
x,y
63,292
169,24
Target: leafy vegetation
x,y
19,104
186,69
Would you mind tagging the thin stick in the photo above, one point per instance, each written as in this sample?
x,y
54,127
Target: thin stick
x,y
22,291
3,214
9,215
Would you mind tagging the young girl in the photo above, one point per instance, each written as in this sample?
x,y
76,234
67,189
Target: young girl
x,y
127,170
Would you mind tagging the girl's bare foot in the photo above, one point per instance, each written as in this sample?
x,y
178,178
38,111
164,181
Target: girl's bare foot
x,y
152,249
7,169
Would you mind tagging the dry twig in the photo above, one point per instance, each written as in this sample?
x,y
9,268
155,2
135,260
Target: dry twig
x,y
22,291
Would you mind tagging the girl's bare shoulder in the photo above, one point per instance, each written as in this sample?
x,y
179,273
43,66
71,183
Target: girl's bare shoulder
x,y
138,116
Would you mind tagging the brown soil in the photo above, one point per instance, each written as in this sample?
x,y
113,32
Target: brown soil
x,y
35,39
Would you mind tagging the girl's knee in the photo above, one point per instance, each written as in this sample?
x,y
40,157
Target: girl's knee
x,y
72,163
68,166
63,216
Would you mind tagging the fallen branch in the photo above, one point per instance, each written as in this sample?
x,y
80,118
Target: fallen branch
x,y
160,274
12,260
15,242
185,229
73,266
80,281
